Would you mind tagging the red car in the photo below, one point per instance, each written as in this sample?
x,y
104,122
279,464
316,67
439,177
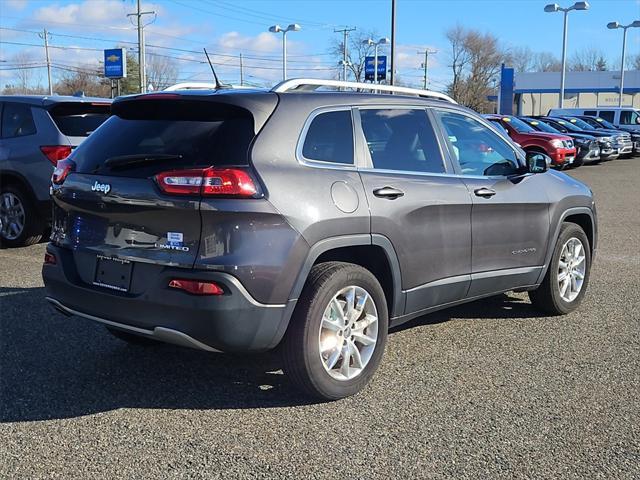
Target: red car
x,y
559,147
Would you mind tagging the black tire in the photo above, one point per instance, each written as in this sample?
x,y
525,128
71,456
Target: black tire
x,y
300,349
547,297
33,226
132,338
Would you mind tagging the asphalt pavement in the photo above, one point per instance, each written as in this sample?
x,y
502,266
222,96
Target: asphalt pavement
x,y
487,390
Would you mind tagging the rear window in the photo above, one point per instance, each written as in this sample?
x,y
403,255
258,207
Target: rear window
x,y
159,139
79,119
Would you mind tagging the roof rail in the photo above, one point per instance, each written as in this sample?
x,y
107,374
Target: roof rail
x,y
202,86
312,84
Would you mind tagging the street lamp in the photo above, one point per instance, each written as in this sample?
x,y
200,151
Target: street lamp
x,y
382,41
613,26
554,7
294,27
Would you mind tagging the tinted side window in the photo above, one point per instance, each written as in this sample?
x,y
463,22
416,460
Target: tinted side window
x,y
590,113
608,115
479,151
628,117
17,120
330,138
401,139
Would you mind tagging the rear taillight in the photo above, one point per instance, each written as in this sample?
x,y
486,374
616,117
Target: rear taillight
x,y
196,287
233,182
50,259
55,153
62,170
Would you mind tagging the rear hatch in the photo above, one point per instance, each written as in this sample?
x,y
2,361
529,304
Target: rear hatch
x,y
135,185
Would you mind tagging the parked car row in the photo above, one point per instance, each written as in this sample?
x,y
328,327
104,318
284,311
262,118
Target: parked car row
x,y
37,132
569,140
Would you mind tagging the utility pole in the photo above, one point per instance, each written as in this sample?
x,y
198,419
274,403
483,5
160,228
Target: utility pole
x,y
393,42
141,55
345,32
425,65
45,36
241,71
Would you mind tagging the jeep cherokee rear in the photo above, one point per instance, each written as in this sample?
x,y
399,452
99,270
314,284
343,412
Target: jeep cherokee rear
x,y
240,221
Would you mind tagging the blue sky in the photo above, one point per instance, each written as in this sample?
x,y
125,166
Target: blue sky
x,y
230,27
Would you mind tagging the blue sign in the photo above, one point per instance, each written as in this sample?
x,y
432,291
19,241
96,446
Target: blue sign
x,y
369,68
507,86
115,63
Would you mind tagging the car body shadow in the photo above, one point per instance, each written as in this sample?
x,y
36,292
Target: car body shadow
x,y
56,367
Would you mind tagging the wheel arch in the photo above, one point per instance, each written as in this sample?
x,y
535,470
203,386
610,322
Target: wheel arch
x,y
9,177
373,252
585,219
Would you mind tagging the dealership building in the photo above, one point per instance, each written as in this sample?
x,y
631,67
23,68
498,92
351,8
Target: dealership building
x,y
536,93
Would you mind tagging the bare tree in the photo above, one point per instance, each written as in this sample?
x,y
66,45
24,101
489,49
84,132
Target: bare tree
x,y
26,74
459,57
587,60
356,53
90,83
546,62
161,72
522,59
635,61
475,62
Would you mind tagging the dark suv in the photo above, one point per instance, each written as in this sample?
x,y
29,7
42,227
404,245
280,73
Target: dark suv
x,y
37,131
311,220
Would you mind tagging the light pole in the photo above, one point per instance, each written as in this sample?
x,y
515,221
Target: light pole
x,y
613,26
554,7
382,41
294,27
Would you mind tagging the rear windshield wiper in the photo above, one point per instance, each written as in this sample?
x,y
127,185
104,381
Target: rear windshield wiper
x,y
125,161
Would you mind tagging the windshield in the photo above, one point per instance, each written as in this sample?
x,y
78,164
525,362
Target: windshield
x,y
581,123
518,125
543,127
605,124
568,125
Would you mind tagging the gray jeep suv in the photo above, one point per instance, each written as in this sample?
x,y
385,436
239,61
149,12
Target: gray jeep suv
x,y
308,220
36,131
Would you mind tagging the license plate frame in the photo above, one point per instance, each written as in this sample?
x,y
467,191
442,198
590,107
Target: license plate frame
x,y
113,273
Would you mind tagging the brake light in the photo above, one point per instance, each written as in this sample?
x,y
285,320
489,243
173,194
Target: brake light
x,y
196,287
56,153
50,259
233,182
62,171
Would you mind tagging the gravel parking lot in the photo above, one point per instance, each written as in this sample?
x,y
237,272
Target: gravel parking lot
x,y
487,390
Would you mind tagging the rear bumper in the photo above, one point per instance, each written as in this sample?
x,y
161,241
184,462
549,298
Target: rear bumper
x,y
231,322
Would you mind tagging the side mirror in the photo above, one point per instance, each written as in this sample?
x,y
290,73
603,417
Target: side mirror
x,y
537,162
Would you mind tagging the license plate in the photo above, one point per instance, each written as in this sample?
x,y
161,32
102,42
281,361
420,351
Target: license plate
x,y
569,159
113,273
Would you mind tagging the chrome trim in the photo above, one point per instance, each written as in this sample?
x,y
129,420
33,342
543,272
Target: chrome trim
x,y
162,334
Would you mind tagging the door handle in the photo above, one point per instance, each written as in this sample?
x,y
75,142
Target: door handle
x,y
388,192
484,192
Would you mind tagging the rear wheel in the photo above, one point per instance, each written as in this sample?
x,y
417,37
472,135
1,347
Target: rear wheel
x,y
567,277
132,338
20,224
338,332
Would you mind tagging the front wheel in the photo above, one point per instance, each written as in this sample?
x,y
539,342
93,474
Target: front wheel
x,y
567,277
338,331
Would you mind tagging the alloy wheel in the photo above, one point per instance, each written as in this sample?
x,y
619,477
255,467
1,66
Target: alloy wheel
x,y
348,333
572,268
12,216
